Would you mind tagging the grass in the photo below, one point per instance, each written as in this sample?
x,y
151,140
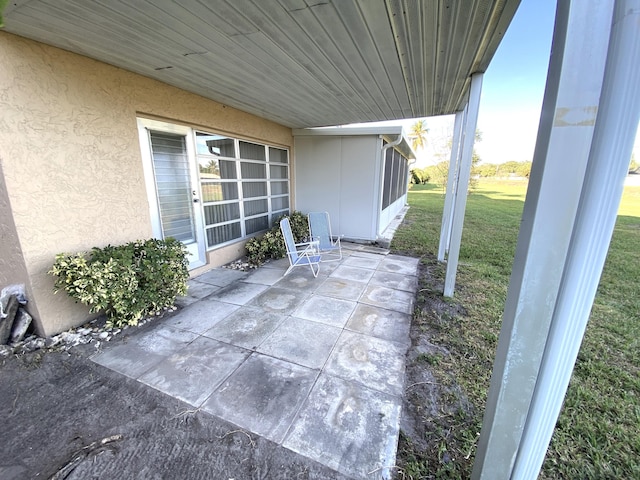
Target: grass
x,y
597,434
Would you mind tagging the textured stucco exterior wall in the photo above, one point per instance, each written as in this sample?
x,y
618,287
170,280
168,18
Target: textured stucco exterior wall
x,y
71,157
13,270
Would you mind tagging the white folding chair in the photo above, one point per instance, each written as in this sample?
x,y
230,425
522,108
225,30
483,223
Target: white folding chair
x,y
320,231
300,254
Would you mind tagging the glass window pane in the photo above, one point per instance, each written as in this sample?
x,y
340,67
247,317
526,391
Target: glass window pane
x,y
276,171
218,191
254,225
275,218
278,155
223,233
252,151
254,207
279,188
221,213
254,189
211,167
279,203
228,169
215,145
253,170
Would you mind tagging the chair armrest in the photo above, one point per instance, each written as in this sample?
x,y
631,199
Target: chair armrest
x,y
313,243
309,247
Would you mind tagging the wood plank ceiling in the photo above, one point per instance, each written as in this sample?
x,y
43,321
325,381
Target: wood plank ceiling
x,y
301,63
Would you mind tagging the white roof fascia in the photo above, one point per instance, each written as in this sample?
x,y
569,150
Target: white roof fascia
x,y
389,133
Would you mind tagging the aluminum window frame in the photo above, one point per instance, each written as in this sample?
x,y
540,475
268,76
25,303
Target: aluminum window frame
x,y
271,213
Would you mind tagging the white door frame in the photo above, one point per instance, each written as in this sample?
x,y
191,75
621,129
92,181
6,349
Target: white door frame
x,y
196,251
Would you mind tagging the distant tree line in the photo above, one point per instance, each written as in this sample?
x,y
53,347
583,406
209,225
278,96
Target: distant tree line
x,y
438,173
507,169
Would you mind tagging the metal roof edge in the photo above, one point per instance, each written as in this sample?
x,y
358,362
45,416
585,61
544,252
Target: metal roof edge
x,y
389,133
350,131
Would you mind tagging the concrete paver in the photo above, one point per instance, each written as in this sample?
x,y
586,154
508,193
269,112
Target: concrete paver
x,y
372,362
265,276
143,352
381,323
247,327
194,372
398,264
201,316
301,341
279,300
300,280
355,274
339,288
263,395
358,260
388,298
281,263
328,310
240,293
349,428
221,277
197,291
399,281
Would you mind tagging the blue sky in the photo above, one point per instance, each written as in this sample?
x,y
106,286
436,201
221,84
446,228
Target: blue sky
x,y
513,85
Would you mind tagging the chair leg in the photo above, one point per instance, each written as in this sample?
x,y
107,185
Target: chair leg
x,y
333,257
316,271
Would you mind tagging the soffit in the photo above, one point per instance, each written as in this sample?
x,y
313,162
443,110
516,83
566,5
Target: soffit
x,y
301,63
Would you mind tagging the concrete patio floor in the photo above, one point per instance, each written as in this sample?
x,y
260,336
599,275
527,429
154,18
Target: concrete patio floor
x,y
313,364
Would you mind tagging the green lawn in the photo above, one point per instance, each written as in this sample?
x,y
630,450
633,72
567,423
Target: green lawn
x,y
598,433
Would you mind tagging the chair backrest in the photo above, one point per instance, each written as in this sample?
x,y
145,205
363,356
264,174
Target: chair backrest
x,y
320,229
289,242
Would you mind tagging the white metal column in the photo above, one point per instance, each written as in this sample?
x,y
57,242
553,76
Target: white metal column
x,y
454,164
569,109
464,172
613,138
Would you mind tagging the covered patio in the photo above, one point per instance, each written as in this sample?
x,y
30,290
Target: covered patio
x,y
313,364
303,64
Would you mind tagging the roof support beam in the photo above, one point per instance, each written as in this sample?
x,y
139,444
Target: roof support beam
x,y
454,162
464,172
616,125
564,235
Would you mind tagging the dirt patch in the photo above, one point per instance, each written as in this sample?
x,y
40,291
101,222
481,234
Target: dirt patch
x,y
65,417
434,405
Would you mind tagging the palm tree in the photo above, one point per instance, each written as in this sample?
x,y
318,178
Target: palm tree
x,y
418,134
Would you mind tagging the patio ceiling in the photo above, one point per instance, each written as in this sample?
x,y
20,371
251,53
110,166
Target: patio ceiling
x,y
301,63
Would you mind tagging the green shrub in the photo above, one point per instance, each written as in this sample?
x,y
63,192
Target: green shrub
x,y
271,244
127,282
